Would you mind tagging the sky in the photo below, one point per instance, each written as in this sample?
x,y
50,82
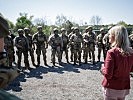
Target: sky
x,y
80,11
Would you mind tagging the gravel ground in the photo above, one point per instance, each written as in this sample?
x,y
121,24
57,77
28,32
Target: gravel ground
x,y
66,82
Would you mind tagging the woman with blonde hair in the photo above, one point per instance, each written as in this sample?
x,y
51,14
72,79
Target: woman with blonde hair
x,y
117,65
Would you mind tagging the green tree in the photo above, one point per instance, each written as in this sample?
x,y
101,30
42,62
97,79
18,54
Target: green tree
x,y
11,25
24,21
122,23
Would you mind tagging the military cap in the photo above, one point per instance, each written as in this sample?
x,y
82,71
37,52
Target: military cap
x,y
20,30
63,29
76,28
55,29
89,27
4,27
109,27
26,28
102,29
38,27
72,28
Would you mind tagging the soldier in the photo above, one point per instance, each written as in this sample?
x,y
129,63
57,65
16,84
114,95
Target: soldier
x,y
22,46
7,73
31,46
100,45
65,40
85,46
13,36
131,39
76,40
90,39
106,41
56,43
40,39
9,47
71,45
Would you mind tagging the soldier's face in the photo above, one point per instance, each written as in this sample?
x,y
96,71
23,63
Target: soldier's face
x,y
26,31
56,32
76,31
40,29
90,30
21,33
63,32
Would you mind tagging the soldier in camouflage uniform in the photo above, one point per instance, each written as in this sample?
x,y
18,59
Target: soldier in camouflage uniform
x,y
65,40
131,39
90,40
22,46
40,39
31,46
13,36
56,43
106,41
85,46
100,45
9,47
76,39
71,45
7,73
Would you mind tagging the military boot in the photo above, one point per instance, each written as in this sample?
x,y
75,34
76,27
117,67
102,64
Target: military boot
x,y
45,61
71,58
53,63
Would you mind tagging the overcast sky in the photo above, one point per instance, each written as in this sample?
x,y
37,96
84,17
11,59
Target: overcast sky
x,y
111,11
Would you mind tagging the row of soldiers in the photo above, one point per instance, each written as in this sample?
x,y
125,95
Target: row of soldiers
x,y
59,43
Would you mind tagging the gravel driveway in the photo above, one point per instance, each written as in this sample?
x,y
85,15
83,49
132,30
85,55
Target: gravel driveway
x,y
66,82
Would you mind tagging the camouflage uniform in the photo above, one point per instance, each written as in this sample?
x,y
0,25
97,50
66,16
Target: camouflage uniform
x,y
40,39
106,42
85,46
71,45
22,46
131,39
56,43
100,44
31,50
7,73
89,44
9,47
65,40
13,36
76,39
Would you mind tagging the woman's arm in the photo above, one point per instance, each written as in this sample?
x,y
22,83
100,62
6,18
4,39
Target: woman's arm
x,y
108,67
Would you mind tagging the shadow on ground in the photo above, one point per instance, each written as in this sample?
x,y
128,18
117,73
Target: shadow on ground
x,y
37,72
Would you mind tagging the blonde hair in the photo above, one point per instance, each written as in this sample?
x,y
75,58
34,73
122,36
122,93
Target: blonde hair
x,y
121,39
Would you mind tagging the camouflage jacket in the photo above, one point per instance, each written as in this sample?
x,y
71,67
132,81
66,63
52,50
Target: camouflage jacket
x,y
21,43
8,43
55,41
76,40
40,39
89,37
29,38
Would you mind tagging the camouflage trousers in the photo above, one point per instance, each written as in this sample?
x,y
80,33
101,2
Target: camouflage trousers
x,y
31,52
101,47
10,56
40,50
56,51
77,55
65,49
89,50
26,61
72,52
